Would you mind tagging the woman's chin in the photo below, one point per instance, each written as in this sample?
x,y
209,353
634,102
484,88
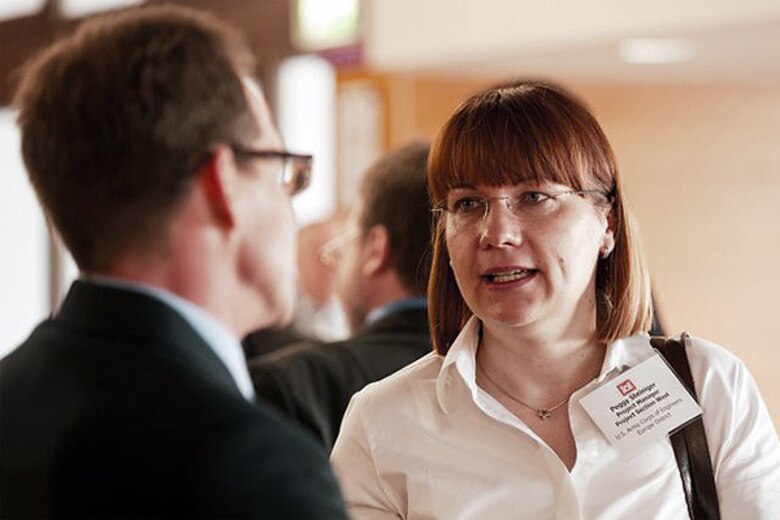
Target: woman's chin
x,y
511,317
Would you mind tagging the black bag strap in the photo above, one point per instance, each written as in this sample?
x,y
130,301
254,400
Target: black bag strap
x,y
690,442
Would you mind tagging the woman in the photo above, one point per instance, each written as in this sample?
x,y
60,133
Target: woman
x,y
538,296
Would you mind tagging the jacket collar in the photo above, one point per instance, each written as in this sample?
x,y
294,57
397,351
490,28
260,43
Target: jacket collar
x,y
134,318
412,320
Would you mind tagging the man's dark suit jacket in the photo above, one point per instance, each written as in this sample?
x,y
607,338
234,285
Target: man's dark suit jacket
x,y
313,382
265,341
117,407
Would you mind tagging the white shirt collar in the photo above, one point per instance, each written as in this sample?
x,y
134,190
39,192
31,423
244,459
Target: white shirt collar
x,y
221,340
625,353
461,360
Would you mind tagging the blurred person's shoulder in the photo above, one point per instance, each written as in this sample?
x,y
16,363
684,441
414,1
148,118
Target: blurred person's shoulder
x,y
300,352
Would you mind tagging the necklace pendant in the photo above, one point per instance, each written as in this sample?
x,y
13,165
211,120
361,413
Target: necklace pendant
x,y
543,414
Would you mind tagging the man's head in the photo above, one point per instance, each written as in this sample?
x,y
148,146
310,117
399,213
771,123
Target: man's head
x,y
134,133
117,119
315,280
391,225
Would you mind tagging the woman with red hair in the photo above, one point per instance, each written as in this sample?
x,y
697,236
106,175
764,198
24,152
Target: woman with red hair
x,y
539,298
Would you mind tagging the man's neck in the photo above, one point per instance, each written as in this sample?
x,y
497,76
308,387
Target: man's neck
x,y
197,279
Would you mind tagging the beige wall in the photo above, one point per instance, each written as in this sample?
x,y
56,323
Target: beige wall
x,y
702,172
404,34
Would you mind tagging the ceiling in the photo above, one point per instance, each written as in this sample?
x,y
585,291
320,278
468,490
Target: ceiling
x,y
730,41
748,53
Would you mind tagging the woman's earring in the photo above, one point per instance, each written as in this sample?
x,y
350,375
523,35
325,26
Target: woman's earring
x,y
605,252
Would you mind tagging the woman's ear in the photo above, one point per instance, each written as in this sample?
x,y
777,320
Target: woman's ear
x,y
608,241
377,250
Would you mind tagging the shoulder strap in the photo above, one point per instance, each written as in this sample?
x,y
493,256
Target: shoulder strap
x,y
690,442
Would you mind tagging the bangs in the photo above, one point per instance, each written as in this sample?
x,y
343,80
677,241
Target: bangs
x,y
519,134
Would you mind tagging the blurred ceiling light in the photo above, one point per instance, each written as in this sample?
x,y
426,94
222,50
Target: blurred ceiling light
x,y
321,24
79,8
17,8
656,50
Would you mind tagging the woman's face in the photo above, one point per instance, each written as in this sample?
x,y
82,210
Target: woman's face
x,y
533,264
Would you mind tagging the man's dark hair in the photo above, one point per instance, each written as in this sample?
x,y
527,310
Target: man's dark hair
x,y
117,118
395,195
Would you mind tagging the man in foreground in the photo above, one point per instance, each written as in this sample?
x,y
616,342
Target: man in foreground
x,y
154,156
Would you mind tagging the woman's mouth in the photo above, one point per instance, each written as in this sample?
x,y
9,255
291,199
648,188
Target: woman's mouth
x,y
509,275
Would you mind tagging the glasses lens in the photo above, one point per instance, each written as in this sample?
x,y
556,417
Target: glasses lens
x,y
528,206
331,250
466,210
534,206
327,257
296,174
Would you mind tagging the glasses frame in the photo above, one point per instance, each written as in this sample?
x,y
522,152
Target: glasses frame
x,y
329,252
442,209
295,174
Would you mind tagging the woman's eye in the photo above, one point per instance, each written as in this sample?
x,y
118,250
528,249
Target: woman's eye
x,y
468,204
532,198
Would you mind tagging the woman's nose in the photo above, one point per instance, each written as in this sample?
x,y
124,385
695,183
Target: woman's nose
x,y
499,227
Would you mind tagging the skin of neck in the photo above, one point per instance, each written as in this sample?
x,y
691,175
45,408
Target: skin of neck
x,y
386,289
544,362
377,279
381,289
197,261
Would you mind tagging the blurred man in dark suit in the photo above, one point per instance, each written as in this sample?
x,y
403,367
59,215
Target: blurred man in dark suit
x,y
154,156
382,266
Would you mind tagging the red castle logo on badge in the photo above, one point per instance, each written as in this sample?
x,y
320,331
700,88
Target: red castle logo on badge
x,y
626,387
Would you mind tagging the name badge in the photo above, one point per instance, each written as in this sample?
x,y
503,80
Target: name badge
x,y
641,406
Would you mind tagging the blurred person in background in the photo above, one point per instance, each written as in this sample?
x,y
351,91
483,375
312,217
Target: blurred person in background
x,y
539,297
381,263
319,314
154,156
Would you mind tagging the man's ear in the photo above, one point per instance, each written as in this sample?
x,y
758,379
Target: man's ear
x,y
376,250
214,180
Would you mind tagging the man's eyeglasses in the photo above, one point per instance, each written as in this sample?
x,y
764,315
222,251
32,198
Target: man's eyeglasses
x,y
330,251
470,209
295,173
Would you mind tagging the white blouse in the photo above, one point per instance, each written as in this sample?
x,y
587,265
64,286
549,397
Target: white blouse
x,y
427,442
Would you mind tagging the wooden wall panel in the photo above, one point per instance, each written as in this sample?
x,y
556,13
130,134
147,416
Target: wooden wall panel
x,y
265,24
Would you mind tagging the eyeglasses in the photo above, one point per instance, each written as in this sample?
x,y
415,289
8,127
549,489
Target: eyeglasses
x,y
471,209
330,251
295,174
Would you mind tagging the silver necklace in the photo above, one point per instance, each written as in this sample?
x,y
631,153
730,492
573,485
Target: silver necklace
x,y
541,413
